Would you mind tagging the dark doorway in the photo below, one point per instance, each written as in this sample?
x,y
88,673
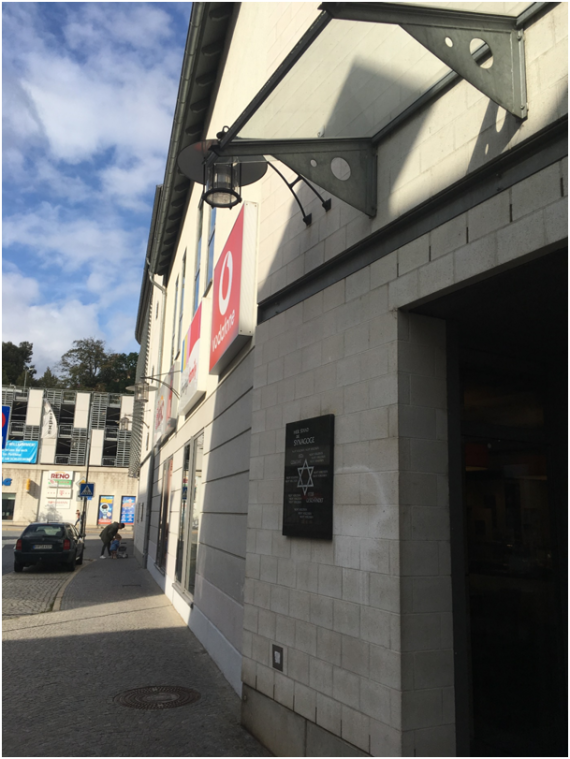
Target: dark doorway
x,y
507,356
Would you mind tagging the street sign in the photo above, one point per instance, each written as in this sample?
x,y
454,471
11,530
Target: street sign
x,y
86,490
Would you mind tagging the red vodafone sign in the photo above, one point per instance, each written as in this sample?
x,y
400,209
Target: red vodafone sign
x,y
232,292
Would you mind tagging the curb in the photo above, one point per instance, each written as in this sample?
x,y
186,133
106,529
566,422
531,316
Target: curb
x,y
56,606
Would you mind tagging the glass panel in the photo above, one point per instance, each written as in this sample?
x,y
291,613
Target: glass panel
x,y
182,537
8,503
511,578
196,512
354,79
162,541
211,243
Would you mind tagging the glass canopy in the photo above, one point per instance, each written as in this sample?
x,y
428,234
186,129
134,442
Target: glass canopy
x,y
354,78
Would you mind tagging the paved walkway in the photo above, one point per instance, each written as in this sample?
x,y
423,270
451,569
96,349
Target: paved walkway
x,y
115,631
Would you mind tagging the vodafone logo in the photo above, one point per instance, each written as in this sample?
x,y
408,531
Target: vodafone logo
x,y
223,300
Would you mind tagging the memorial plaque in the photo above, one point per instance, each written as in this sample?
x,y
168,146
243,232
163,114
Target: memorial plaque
x,y
309,467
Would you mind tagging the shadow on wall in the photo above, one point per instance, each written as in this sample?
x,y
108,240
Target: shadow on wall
x,y
302,249
51,514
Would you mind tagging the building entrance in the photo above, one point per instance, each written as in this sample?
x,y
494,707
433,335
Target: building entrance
x,y
511,566
507,406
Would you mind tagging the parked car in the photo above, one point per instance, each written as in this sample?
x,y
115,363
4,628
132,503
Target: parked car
x,y
49,543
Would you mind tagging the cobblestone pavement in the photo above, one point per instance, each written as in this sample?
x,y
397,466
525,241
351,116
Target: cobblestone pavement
x,y
33,591
116,631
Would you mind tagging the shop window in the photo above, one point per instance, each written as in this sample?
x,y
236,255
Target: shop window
x,y
174,310
8,503
211,243
190,514
163,520
181,311
198,257
183,516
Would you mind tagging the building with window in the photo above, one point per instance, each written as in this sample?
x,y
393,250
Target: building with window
x,y
350,419
50,435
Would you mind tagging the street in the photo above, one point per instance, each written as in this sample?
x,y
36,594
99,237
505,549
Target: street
x,y
75,648
8,542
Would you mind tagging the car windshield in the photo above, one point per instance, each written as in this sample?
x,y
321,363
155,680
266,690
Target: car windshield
x,y
44,530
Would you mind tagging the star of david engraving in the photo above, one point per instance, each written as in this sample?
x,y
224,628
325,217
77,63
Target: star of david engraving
x,y
305,477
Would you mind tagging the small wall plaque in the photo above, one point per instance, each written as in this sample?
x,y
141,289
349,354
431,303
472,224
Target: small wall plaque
x,y
309,474
277,657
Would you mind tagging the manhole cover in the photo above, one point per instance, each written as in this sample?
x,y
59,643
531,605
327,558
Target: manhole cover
x,y
157,697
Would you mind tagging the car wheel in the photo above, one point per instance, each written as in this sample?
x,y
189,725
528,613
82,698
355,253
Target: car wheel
x,y
71,565
80,559
18,567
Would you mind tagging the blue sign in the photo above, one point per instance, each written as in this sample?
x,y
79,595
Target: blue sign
x,y
20,452
128,509
7,482
5,422
86,489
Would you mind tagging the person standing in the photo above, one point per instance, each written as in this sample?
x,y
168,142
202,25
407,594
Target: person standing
x,y
107,535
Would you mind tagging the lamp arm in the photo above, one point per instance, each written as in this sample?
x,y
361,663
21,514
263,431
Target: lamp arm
x,y
307,218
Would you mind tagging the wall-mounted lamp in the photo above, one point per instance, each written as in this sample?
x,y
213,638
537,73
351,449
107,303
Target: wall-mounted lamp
x,y
142,389
222,176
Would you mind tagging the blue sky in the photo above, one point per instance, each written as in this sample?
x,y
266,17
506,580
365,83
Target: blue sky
x,y
89,91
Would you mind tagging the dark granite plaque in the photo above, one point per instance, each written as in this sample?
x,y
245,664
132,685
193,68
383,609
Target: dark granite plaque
x,y
309,467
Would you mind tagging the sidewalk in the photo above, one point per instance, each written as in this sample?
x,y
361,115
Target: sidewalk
x,y
115,632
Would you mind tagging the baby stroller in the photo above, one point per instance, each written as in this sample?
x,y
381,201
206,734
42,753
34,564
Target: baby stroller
x,y
122,552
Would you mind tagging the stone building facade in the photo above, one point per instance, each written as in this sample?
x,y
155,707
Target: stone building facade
x,y
433,331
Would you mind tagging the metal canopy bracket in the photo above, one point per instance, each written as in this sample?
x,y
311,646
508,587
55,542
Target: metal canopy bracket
x,y
345,167
449,35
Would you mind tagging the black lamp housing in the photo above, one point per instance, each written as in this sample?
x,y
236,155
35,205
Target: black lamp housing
x,y
222,182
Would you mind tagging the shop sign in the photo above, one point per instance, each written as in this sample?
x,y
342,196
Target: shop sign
x,y
105,509
166,408
20,452
60,480
233,291
5,422
58,492
128,509
194,369
309,474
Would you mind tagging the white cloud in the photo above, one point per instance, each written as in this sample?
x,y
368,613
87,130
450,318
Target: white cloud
x,y
89,94
71,243
113,92
51,327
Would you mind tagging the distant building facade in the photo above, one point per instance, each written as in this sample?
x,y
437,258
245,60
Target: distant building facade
x,y
418,350
49,437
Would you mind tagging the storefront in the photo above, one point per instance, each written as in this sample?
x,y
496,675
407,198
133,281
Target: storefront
x,y
360,508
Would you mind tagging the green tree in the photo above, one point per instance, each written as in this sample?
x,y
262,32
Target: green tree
x,y
17,368
118,372
48,379
80,368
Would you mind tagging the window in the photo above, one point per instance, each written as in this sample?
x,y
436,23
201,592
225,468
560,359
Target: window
x,y
8,502
183,517
162,541
174,342
181,311
211,241
190,513
198,256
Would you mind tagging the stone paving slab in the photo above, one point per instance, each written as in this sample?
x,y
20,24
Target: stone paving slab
x,y
116,631
32,591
